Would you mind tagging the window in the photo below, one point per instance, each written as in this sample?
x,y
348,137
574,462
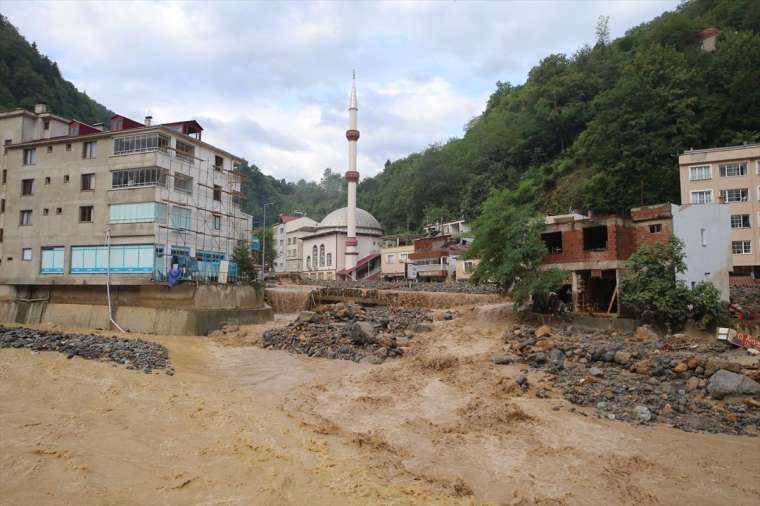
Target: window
x,y
700,173
182,218
185,151
27,185
741,247
740,221
2,206
701,197
46,124
735,195
308,262
217,222
553,242
209,256
143,212
322,255
183,183
25,217
5,176
329,259
26,254
88,149
47,180
1,235
30,156
65,178
52,260
58,210
733,169
85,214
68,147
139,143
390,259
595,238
469,266
217,193
50,149
88,182
143,176
218,163
127,259
656,228
45,212
402,258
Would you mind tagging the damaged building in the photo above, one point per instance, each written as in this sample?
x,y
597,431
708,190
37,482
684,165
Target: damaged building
x,y
594,249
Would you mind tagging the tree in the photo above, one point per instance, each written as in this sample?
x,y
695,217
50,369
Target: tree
x,y
241,255
603,30
509,246
651,287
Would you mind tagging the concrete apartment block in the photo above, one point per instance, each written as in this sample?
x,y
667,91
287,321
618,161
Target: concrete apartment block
x,y
158,190
729,175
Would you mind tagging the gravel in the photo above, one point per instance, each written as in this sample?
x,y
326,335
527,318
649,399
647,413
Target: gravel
x,y
134,353
422,286
350,332
662,380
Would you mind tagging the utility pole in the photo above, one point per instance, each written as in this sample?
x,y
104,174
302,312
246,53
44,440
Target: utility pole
x,y
264,239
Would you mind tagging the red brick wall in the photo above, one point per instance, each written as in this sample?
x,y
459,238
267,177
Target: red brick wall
x,y
643,236
650,212
621,243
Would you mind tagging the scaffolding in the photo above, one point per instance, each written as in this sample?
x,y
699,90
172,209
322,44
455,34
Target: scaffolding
x,y
203,235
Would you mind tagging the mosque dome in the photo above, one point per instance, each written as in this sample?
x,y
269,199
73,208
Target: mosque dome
x,y
338,220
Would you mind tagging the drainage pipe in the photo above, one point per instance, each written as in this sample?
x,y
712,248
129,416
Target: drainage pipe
x,y
108,279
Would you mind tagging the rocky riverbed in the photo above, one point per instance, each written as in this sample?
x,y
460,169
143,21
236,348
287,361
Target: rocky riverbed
x,y
644,378
350,332
133,353
422,286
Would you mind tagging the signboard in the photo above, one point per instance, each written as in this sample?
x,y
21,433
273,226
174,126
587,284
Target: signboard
x,y
255,244
411,271
746,340
224,268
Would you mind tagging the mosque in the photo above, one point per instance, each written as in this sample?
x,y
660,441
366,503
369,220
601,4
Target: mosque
x,y
346,243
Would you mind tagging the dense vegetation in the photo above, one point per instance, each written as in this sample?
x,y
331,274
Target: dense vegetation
x,y
26,77
600,129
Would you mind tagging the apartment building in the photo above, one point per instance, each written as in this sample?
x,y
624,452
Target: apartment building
x,y
288,236
457,229
728,175
79,201
394,253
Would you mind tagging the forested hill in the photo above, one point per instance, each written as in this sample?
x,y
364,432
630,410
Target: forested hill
x,y
600,129
26,77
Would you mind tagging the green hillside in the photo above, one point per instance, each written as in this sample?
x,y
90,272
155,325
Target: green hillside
x,y
26,77
600,129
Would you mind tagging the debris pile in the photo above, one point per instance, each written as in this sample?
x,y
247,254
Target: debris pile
x,y
694,387
134,353
350,332
422,286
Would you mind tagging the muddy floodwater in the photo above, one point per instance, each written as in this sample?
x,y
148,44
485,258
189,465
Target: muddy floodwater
x,y
238,425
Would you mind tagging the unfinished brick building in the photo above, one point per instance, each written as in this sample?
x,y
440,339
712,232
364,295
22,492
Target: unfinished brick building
x,y
595,248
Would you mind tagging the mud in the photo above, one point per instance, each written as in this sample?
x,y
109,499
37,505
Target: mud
x,y
239,424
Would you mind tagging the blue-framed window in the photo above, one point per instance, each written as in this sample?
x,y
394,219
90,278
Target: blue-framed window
x,y
138,213
52,260
209,256
125,259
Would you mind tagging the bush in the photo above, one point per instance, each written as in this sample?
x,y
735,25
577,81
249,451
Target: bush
x,y
707,309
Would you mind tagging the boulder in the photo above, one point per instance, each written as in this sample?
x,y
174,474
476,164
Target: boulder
x,y
642,414
419,328
362,333
595,371
622,357
692,384
714,364
645,333
694,362
543,331
643,367
544,345
726,383
307,317
681,367
502,360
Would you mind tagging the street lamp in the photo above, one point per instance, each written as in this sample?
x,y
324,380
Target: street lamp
x,y
264,239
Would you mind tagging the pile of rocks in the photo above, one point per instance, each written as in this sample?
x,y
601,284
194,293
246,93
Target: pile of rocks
x,y
134,353
422,286
350,332
695,387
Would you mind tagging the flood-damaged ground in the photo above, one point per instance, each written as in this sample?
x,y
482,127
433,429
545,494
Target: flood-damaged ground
x,y
440,424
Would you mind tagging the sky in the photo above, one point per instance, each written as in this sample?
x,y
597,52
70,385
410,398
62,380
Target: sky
x,y
270,81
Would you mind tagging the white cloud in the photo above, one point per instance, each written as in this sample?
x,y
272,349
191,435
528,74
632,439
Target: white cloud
x,y
270,81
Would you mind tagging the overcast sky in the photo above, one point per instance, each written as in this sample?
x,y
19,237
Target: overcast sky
x,y
270,81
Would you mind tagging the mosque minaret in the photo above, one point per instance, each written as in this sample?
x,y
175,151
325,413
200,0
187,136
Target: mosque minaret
x,y
352,177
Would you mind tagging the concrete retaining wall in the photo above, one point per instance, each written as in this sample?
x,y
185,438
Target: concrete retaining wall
x,y
152,309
